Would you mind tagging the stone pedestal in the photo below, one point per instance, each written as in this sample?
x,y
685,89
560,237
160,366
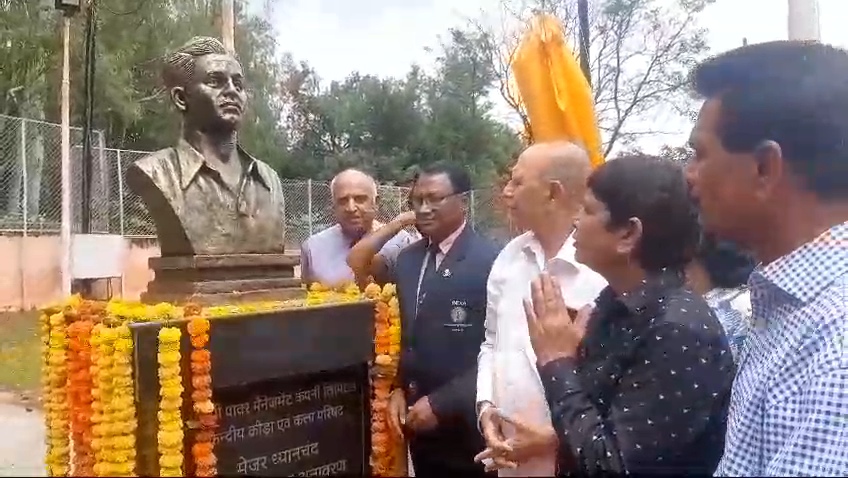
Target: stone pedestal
x,y
223,279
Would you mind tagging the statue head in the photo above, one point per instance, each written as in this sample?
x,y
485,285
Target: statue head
x,y
206,84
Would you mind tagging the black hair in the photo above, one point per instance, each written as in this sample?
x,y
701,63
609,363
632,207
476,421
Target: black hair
x,y
794,93
458,177
726,265
653,190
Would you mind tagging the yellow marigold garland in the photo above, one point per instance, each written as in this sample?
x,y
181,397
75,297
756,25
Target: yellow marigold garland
x,y
54,379
170,393
203,449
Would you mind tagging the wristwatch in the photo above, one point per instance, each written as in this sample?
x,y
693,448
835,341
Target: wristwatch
x,y
482,407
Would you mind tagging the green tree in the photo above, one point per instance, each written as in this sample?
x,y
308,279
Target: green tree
x,y
460,126
391,126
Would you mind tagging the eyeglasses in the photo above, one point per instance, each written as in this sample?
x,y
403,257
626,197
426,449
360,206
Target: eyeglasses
x,y
434,202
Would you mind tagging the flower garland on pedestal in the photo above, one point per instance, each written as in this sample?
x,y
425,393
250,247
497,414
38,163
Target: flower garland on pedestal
x,y
89,391
170,393
80,384
388,453
203,449
54,380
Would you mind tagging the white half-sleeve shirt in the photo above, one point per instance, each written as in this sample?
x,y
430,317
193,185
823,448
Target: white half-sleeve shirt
x,y
507,363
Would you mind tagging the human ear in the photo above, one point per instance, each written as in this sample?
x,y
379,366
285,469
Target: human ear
x,y
178,96
630,235
770,166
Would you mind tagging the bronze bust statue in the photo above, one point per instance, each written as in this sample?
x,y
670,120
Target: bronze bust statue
x,y
206,195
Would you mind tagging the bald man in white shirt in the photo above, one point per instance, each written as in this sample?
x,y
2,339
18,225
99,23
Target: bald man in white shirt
x,y
544,195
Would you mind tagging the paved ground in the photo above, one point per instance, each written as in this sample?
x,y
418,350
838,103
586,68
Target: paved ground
x,y
21,440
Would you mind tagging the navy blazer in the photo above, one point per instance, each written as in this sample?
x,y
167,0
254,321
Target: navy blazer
x,y
440,345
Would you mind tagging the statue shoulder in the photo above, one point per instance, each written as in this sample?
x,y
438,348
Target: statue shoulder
x,y
157,169
156,162
268,173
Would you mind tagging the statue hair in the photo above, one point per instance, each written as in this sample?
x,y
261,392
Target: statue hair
x,y
179,64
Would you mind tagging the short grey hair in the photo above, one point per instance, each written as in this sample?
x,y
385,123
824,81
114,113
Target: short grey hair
x,y
352,171
179,64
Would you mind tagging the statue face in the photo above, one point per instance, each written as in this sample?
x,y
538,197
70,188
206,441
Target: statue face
x,y
215,96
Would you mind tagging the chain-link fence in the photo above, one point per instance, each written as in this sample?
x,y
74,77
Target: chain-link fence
x,y
31,190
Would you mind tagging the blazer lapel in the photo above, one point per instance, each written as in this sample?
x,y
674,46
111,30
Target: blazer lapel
x,y
411,268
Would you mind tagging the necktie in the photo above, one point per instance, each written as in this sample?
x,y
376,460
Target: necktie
x,y
432,250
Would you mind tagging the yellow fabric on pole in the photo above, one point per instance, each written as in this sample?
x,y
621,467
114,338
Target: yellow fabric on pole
x,y
556,96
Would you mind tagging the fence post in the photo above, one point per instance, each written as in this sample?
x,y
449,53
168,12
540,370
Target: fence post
x,y
120,167
309,203
24,179
22,260
105,187
473,203
120,171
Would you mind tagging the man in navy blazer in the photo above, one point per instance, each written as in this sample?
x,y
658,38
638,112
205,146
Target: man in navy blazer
x,y
441,282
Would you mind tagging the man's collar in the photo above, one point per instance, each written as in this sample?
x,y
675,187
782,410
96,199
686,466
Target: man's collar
x,y
565,255
806,271
650,292
191,161
446,244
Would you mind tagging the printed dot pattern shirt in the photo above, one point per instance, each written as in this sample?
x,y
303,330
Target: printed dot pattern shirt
x,y
649,390
789,408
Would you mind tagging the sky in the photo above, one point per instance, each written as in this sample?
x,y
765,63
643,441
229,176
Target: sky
x,y
384,37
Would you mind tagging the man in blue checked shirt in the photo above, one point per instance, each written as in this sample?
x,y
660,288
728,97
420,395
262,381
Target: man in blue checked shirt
x,y
771,174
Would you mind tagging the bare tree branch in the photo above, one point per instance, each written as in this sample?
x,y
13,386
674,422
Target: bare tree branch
x,y
641,51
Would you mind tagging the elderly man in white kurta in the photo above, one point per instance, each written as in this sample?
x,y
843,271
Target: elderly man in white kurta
x,y
544,196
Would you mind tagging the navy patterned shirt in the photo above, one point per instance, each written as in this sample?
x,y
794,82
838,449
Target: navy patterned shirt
x,y
650,390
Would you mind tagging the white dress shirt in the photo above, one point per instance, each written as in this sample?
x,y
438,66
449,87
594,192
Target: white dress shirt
x,y
507,375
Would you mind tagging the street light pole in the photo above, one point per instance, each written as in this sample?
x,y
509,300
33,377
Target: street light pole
x,y
68,8
803,20
88,109
228,25
583,19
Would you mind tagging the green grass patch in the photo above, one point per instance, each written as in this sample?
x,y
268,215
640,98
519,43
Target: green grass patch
x,y
20,351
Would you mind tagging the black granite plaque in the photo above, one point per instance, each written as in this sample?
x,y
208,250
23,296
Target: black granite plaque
x,y
314,425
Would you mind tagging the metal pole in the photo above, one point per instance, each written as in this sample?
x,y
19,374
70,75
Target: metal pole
x,y
120,167
583,19
803,20
104,186
87,160
309,203
65,229
473,207
24,178
25,203
228,25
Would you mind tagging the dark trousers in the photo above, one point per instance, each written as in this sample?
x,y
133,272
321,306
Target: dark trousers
x,y
447,452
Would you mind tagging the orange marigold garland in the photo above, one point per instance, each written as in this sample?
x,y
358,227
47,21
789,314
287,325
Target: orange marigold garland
x,y
203,449
388,457
80,384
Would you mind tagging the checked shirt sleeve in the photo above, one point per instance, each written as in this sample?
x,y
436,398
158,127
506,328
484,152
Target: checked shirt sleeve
x,y
818,441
